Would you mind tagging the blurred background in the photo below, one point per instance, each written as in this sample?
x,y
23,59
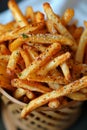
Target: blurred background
x,y
58,7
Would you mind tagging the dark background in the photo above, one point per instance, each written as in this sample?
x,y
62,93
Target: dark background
x,y
81,123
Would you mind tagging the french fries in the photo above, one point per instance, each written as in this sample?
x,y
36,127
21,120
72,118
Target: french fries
x,y
43,60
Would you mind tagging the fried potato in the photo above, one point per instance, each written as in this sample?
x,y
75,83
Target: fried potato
x,y
45,98
19,17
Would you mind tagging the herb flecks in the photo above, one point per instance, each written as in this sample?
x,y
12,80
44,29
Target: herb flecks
x,y
24,35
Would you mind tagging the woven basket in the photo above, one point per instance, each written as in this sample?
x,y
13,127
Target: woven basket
x,y
41,119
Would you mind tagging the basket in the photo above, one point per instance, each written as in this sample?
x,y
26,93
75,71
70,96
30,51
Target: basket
x,y
42,118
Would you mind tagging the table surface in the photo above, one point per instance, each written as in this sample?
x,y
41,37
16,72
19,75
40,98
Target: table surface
x,y
81,123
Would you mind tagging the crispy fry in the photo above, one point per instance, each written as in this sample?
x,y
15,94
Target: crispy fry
x,y
54,63
32,86
67,16
45,98
14,57
81,47
25,57
52,16
42,59
20,19
66,71
50,27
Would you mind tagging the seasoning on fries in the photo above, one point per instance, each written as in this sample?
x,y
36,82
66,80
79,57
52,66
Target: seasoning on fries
x,y
43,59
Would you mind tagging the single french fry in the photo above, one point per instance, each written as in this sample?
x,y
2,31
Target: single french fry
x,y
54,103
59,26
45,98
81,47
66,71
32,86
40,60
67,16
19,17
47,79
14,57
25,57
54,63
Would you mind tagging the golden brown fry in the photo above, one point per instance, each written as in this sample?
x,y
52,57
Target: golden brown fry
x,y
40,60
67,16
59,26
66,71
45,98
81,47
32,28
28,85
48,79
54,63
14,57
19,17
41,39
25,57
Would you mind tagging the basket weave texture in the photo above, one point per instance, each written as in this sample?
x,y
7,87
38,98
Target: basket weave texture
x,y
43,120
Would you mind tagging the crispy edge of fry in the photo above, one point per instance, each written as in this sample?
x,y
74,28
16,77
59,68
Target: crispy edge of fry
x,y
63,91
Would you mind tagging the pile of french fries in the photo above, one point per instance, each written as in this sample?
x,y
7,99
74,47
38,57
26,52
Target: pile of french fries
x,y
43,58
